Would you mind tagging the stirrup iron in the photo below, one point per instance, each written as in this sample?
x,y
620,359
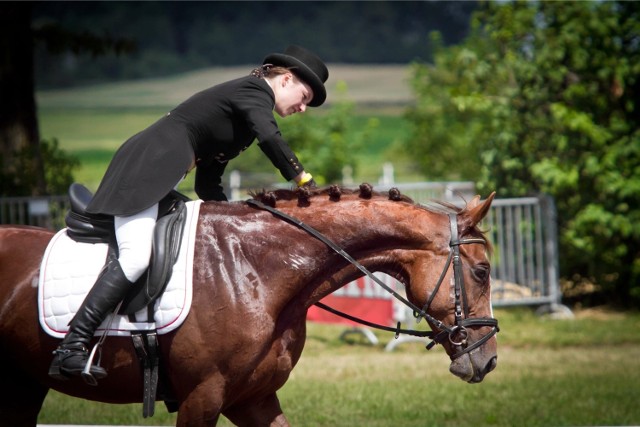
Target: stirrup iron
x,y
86,374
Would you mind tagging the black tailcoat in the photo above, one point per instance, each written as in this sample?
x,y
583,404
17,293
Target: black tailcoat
x,y
210,128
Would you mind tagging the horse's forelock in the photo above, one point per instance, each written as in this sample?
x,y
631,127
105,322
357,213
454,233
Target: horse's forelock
x,y
446,208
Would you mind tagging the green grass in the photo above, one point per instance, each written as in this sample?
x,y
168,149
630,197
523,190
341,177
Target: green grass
x,y
583,371
93,135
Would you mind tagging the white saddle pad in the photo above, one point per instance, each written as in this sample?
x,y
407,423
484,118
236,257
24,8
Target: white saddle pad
x,y
69,269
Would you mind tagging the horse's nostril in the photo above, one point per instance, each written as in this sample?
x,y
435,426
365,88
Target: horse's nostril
x,y
492,364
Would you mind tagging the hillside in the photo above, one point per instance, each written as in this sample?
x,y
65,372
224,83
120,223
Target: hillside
x,y
368,85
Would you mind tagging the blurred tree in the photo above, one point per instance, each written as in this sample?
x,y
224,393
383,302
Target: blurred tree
x,y
26,161
542,97
175,36
18,123
326,143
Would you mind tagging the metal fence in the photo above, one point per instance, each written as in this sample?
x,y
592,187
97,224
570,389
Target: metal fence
x,y
46,211
524,238
525,259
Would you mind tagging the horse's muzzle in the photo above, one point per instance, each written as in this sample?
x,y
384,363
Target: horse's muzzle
x,y
466,368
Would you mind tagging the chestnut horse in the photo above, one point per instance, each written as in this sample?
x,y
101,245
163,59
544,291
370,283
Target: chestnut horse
x,y
255,276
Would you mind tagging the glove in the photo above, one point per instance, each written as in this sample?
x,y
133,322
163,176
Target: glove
x,y
307,181
311,184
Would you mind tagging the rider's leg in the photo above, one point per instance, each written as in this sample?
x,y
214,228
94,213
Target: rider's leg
x,y
134,235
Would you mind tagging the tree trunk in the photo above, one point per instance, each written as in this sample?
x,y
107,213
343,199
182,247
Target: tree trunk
x,y
18,121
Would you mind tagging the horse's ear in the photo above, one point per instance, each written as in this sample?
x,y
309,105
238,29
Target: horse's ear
x,y
473,203
474,212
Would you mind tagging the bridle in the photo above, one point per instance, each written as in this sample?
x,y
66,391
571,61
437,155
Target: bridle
x,y
457,334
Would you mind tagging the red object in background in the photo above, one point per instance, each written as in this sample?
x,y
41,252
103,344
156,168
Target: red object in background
x,y
362,298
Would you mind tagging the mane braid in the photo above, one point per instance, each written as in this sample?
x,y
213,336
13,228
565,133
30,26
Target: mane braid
x,y
335,193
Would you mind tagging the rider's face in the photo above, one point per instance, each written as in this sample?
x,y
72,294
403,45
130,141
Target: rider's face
x,y
292,95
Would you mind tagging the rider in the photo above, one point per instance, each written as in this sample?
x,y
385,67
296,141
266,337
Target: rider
x,y
204,132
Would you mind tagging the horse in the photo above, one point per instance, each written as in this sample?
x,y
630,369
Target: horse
x,y
258,266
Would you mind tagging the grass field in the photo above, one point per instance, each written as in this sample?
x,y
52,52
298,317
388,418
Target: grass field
x,y
578,372
379,85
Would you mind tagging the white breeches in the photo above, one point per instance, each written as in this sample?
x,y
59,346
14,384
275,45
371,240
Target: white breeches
x,y
134,234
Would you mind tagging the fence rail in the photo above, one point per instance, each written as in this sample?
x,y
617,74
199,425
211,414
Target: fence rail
x,y
46,211
525,259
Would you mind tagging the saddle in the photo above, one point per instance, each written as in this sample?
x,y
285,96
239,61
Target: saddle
x,y
90,228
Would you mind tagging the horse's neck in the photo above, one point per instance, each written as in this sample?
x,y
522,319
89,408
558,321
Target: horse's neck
x,y
367,230
356,224
290,261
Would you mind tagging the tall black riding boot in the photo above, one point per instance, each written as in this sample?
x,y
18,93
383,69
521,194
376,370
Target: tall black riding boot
x,y
71,356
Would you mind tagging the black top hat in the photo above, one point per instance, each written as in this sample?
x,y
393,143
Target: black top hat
x,y
306,65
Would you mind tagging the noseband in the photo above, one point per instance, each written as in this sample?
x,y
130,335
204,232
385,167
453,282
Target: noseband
x,y
456,334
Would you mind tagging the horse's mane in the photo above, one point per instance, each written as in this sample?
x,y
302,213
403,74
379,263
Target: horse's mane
x,y
304,196
334,192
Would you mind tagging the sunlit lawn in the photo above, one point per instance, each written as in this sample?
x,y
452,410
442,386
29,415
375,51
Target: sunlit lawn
x,y
579,372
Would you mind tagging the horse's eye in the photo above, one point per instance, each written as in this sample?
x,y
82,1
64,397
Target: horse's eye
x,y
481,272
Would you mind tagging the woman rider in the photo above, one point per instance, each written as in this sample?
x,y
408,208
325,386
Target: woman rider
x,y
204,132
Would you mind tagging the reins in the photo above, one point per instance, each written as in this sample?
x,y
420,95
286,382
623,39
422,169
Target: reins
x,y
459,329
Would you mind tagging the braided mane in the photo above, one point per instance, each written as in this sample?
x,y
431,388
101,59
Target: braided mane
x,y
365,191
334,192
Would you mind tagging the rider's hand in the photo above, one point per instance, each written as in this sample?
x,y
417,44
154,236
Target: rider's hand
x,y
306,180
310,184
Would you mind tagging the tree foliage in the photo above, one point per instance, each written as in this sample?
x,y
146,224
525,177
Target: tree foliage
x,y
175,36
31,166
326,143
57,166
542,97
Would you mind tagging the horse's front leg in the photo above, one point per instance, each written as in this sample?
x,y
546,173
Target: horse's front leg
x,y
265,412
201,407
21,396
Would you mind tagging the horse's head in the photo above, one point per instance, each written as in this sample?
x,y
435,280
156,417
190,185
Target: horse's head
x,y
457,295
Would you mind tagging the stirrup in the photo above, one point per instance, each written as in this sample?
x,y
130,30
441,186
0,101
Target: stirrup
x,y
89,377
58,371
98,373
